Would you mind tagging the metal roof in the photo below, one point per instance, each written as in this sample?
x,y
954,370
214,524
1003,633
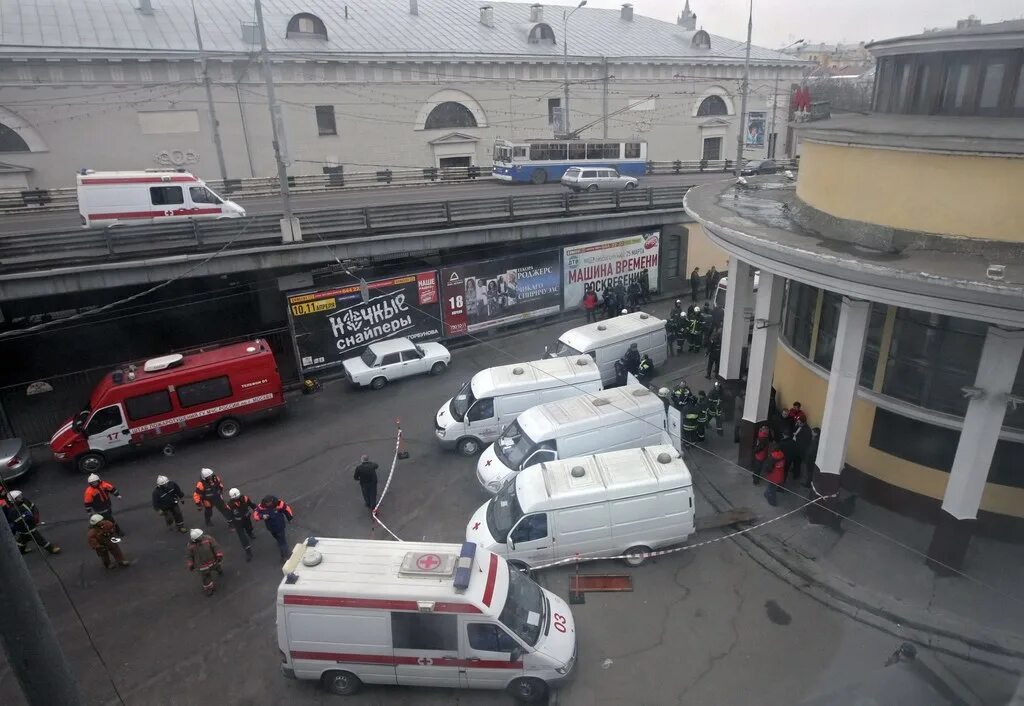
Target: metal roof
x,y
535,375
361,27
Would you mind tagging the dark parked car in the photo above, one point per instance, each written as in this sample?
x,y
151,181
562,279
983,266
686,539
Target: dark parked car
x,y
759,166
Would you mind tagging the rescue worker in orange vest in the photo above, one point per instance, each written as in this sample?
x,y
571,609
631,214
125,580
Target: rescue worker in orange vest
x,y
240,507
205,555
760,452
97,500
102,539
209,493
775,473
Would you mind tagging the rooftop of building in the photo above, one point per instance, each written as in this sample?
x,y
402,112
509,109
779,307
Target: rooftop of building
x,y
353,27
974,135
994,35
768,223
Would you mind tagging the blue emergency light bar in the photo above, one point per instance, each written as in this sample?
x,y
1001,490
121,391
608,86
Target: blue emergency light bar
x,y
312,541
464,565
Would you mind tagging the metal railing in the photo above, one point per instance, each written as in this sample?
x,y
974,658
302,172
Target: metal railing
x,y
334,179
25,251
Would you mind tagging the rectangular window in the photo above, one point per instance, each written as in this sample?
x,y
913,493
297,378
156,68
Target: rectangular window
x,y
166,195
922,99
1018,101
632,150
204,391
956,85
200,194
828,327
487,637
883,81
800,302
577,150
901,87
325,124
425,631
869,364
519,152
148,405
554,111
991,85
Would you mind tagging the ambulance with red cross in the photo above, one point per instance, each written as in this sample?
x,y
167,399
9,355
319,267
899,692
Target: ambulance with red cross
x,y
152,196
353,612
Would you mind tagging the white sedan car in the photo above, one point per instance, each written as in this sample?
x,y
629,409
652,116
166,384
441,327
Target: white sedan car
x,y
396,358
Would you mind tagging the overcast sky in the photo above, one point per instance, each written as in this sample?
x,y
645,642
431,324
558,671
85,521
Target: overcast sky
x,y
779,22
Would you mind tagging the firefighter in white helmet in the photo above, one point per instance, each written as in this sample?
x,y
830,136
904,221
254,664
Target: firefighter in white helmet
x,y
97,499
208,494
241,508
103,540
167,497
204,556
23,517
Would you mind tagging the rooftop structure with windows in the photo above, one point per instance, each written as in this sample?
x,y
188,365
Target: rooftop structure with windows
x,y
890,298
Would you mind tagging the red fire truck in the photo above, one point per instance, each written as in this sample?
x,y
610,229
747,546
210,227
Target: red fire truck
x,y
164,399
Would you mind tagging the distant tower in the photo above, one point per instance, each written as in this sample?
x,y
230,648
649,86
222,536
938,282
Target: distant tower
x,y
687,20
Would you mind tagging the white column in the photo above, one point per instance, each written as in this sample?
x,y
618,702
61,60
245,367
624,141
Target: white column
x,y
761,366
842,384
997,370
735,326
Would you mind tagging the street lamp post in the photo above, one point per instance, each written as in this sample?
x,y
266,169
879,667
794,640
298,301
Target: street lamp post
x,y
772,140
565,63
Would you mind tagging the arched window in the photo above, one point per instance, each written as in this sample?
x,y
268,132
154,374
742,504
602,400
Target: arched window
x,y
449,114
712,105
10,141
306,25
701,40
542,34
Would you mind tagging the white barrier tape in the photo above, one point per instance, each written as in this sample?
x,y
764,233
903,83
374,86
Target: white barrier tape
x,y
662,552
387,484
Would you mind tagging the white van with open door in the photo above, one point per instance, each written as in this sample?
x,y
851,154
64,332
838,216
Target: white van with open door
x,y
353,612
151,196
493,398
621,418
608,340
620,503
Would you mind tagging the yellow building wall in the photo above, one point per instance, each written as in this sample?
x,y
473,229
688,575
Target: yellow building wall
x,y
702,253
946,194
795,382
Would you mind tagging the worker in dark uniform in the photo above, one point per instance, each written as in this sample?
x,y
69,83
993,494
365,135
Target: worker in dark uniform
x,y
241,508
209,494
691,414
97,500
715,406
608,302
680,394
23,517
695,284
633,295
632,359
702,415
671,334
646,370
276,515
677,310
645,287
366,474
714,354
167,496
695,330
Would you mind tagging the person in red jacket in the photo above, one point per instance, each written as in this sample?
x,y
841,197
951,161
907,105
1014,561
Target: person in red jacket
x,y
760,452
794,413
775,473
590,304
97,500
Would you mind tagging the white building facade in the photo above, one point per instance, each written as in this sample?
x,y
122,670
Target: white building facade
x,y
367,85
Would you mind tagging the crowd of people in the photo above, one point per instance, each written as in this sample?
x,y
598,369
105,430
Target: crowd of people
x,y
784,450
616,299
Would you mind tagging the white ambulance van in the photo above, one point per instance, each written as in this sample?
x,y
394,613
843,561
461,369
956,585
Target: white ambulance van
x,y
494,397
621,418
620,503
608,340
353,612
151,196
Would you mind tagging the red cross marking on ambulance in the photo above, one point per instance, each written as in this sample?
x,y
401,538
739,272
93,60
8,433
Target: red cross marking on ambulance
x,y
428,562
476,525
487,462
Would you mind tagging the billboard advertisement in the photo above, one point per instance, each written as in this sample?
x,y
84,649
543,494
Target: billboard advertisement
x,y
607,263
481,295
332,324
754,136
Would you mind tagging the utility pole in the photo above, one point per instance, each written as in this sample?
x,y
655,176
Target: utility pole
x,y
604,96
30,644
209,99
773,139
743,102
565,64
290,230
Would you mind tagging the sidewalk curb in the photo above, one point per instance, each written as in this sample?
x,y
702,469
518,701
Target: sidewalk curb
x,y
962,639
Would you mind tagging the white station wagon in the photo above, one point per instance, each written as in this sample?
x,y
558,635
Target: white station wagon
x,y
396,358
